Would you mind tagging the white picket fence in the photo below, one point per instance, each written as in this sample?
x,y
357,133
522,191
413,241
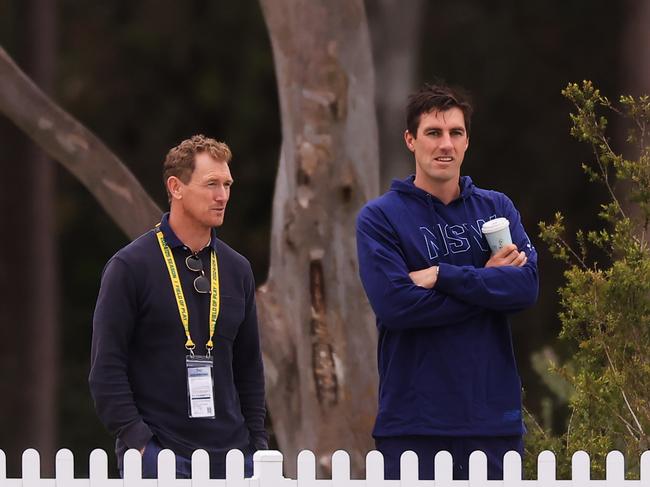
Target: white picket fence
x,y
268,471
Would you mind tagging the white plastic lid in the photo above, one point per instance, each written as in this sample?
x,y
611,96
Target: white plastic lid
x,y
495,225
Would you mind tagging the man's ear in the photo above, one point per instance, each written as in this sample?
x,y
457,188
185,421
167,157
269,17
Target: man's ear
x,y
408,139
467,143
175,187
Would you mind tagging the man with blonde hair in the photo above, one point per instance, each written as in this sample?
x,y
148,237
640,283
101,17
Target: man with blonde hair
x,y
176,359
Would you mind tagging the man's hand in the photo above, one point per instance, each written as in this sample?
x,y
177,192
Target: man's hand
x,y
426,277
508,255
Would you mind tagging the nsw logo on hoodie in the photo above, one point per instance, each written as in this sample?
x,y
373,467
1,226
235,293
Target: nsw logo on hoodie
x,y
455,239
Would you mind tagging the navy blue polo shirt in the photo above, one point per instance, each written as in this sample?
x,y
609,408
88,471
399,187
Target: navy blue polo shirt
x,y
138,375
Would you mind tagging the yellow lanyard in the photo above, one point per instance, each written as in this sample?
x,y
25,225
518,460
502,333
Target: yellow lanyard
x,y
180,297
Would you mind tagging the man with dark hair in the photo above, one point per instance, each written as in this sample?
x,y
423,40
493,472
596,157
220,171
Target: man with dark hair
x,y
448,378
175,360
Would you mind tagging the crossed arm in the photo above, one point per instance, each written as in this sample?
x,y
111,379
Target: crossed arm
x,y
509,255
444,294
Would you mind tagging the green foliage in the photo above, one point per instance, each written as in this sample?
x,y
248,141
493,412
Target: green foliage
x,y
605,307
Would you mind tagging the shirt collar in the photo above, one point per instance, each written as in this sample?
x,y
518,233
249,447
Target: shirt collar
x,y
173,241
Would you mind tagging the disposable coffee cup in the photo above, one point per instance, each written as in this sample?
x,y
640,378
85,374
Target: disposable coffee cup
x,y
497,233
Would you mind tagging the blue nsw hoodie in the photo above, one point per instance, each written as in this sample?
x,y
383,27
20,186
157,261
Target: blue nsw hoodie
x,y
446,363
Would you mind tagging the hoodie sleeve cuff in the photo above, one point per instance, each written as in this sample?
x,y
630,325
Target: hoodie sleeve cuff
x,y
136,435
450,277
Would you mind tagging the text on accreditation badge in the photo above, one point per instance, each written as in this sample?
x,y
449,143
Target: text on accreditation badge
x,y
200,386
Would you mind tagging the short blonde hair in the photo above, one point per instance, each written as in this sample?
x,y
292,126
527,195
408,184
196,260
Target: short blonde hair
x,y
180,160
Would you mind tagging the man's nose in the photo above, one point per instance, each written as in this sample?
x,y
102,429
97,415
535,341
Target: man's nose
x,y
445,141
221,193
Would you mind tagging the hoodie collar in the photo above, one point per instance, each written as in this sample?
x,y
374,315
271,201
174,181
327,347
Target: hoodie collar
x,y
407,186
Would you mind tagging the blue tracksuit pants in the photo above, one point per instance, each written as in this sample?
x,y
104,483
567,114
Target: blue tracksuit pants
x,y
460,448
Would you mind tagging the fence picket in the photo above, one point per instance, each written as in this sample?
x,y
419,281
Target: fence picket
x,y
133,469
64,468
444,469
166,468
512,469
98,468
306,469
200,468
340,467
478,469
31,468
235,469
580,469
615,468
234,466
408,467
374,469
546,468
3,466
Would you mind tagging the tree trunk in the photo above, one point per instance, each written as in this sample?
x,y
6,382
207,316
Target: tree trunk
x,y
395,52
41,242
635,51
29,281
318,330
65,139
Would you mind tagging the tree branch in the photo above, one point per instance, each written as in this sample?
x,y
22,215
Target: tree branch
x,y
627,403
65,139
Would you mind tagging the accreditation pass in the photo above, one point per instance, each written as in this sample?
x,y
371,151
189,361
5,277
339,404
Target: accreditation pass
x,y
200,389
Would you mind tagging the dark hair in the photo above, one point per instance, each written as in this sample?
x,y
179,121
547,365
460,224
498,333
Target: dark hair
x,y
438,97
180,159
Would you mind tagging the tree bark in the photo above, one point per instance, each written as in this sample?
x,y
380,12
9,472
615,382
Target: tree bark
x,y
318,331
65,139
636,49
41,243
396,53
635,52
29,281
